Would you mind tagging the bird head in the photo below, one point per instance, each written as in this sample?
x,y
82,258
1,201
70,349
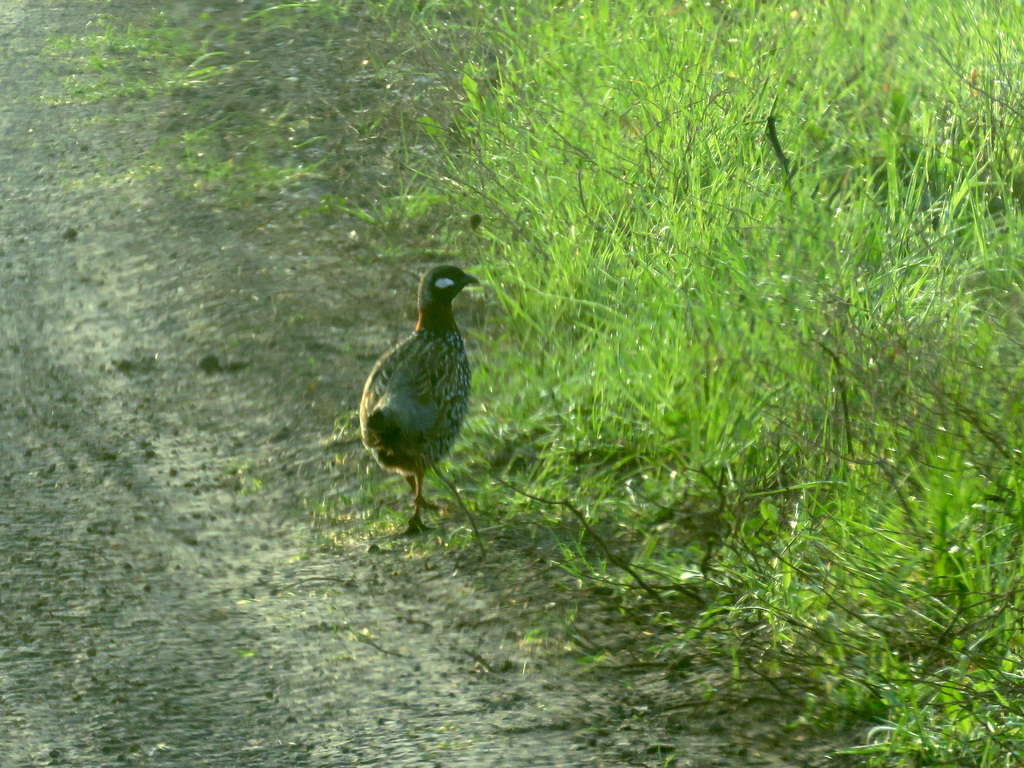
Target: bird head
x,y
442,284
437,289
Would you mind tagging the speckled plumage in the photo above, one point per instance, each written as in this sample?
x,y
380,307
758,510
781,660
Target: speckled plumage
x,y
417,394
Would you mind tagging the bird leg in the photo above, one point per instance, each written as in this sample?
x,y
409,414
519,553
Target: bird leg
x,y
416,524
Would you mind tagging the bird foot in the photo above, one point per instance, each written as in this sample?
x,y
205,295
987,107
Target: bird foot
x,y
416,526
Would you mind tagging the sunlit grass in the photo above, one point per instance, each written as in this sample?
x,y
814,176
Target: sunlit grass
x,y
803,396
120,59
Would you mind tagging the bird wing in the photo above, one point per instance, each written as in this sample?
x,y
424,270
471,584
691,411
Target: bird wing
x,y
401,383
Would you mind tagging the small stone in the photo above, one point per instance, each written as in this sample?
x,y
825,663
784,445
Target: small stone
x,y
210,365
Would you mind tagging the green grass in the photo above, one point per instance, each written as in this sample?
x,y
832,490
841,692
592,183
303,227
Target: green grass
x,y
121,59
802,400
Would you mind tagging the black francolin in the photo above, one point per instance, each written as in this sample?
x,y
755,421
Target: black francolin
x,y
417,394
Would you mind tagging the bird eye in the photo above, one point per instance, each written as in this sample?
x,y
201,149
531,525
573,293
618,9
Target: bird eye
x,y
444,282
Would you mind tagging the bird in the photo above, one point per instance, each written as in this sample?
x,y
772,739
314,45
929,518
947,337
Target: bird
x,y
417,394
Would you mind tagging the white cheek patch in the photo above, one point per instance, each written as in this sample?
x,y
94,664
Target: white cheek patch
x,y
443,282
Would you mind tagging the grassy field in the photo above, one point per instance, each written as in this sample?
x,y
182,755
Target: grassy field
x,y
792,387
761,330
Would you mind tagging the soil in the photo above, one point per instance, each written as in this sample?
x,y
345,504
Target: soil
x,y
173,370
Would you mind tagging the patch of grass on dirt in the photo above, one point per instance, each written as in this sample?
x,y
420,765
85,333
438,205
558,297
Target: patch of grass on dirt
x,y
277,105
114,58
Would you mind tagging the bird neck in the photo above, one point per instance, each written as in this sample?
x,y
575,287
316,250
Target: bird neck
x,y
436,317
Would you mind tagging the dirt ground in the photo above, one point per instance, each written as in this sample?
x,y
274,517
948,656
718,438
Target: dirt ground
x,y
171,373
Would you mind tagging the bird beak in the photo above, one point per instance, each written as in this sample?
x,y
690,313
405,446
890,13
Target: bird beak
x,y
470,280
